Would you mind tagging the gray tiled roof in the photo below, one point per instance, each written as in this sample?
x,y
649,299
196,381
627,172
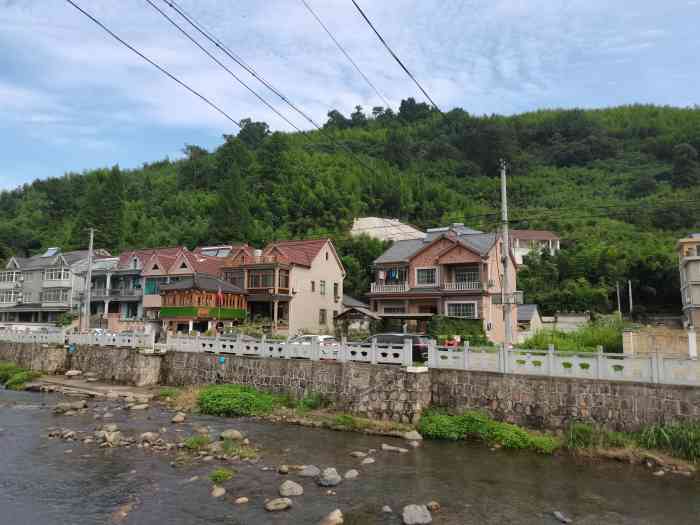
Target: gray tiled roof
x,y
402,251
525,312
37,262
351,302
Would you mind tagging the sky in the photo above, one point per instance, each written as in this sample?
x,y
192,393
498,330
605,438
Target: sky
x,y
72,98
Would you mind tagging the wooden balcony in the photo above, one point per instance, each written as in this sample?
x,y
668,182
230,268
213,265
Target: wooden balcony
x,y
389,288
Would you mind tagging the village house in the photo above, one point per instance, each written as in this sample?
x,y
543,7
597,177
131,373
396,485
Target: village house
x,y
524,242
201,303
454,271
43,289
293,286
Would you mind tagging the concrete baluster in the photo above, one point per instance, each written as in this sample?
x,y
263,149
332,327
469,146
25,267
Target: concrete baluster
x,y
600,363
550,360
373,352
343,351
407,352
316,350
465,356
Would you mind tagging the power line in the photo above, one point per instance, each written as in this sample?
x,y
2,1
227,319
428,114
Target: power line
x,y
217,61
394,55
154,64
347,55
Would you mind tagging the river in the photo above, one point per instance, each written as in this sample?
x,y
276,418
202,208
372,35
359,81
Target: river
x,y
43,484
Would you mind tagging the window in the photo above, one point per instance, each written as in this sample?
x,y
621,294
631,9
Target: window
x,y
135,263
261,279
426,276
322,317
313,286
284,279
54,295
463,310
394,308
326,255
153,285
467,274
183,266
9,277
56,274
9,296
395,275
235,277
336,290
322,287
155,267
335,314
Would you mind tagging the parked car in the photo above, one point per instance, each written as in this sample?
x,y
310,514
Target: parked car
x,y
420,343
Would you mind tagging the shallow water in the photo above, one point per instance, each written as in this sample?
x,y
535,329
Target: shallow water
x,y
41,484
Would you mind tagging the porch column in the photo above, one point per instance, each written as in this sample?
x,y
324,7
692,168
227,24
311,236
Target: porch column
x,y
274,314
106,310
692,343
108,285
191,327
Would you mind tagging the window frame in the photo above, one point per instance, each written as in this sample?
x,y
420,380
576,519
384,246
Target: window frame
x,y
322,287
426,285
323,317
459,303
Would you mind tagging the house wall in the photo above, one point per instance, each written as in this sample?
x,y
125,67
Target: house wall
x,y
305,305
425,259
493,313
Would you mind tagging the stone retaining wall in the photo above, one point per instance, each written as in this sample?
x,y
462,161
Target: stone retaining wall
x,y
551,402
384,391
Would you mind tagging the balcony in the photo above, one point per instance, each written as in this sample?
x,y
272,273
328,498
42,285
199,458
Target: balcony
x,y
126,293
389,288
459,286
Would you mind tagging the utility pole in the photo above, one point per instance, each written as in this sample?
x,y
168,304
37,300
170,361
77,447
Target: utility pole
x,y
619,308
629,287
507,298
88,281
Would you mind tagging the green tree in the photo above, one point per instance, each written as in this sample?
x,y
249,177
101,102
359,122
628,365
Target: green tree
x,y
252,134
686,171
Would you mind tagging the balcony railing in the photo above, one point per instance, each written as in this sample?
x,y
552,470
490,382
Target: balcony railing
x,y
389,288
103,293
462,285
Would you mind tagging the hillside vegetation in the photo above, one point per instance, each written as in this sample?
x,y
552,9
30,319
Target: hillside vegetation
x,y
620,185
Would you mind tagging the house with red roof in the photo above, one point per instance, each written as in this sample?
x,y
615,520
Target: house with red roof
x,y
292,285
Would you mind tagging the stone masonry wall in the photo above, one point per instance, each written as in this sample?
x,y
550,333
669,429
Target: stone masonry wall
x,y
119,365
35,356
375,391
551,403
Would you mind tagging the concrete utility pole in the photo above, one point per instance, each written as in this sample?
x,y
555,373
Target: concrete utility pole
x,y
507,298
619,308
88,282
629,287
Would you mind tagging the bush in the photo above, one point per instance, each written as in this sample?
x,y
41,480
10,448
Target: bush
x,y
476,425
681,440
17,381
7,370
311,402
584,435
196,443
221,475
606,333
472,330
236,400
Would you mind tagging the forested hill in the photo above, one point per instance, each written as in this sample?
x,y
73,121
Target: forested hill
x,y
620,185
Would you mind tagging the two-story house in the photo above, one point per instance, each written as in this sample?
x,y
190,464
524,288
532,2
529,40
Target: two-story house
x,y
454,271
689,267
294,285
40,289
523,242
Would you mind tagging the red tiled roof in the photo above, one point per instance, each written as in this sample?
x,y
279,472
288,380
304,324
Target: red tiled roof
x,y
204,264
301,253
534,235
167,254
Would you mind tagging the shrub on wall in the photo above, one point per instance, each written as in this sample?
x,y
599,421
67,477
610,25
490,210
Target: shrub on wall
x,y
441,327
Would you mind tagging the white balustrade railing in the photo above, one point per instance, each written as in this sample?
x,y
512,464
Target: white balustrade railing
x,y
389,288
462,285
16,336
396,354
583,365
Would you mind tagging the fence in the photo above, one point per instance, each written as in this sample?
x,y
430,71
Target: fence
x,y
122,339
650,368
397,354
16,336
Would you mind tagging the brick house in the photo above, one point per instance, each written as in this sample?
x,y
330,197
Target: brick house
x,y
454,271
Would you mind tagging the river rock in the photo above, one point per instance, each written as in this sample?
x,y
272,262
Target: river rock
x,y
112,439
73,373
202,431
68,435
290,488
392,448
329,478
140,406
283,469
231,433
334,518
351,474
413,435
107,415
149,437
241,501
416,515
62,408
310,471
561,517
367,461
178,418
278,504
433,506
358,454
218,491
216,447
386,509
110,427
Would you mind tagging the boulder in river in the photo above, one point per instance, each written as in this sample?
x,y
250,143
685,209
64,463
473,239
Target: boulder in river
x,y
278,504
386,509
139,406
110,427
561,517
310,471
240,501
413,435
392,448
367,461
232,434
178,418
358,454
416,515
334,518
329,478
351,474
62,408
149,437
290,488
218,491
73,373
433,506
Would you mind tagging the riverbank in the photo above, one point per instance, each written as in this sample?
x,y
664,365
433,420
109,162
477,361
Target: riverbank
x,y
157,472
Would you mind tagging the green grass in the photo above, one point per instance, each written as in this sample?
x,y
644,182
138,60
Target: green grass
x,y
15,377
168,393
311,402
681,440
236,400
196,443
606,333
220,475
233,448
587,436
476,425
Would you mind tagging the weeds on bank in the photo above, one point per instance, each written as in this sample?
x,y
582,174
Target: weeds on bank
x,y
14,377
168,393
196,443
585,436
681,440
232,448
220,475
236,400
476,425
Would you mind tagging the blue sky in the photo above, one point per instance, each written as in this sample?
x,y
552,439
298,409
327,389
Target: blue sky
x,y
71,98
